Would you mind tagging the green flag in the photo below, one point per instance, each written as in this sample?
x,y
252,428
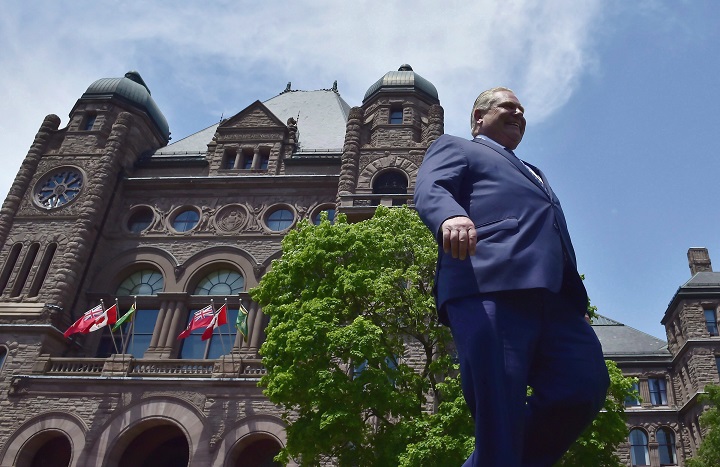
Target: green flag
x,y
241,322
124,317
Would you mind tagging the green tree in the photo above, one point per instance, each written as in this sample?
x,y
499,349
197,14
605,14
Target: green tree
x,y
708,454
358,362
353,351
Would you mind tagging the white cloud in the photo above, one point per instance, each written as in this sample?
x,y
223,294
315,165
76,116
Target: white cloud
x,y
202,59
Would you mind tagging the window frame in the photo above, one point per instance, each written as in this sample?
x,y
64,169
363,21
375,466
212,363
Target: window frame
x,y
643,445
669,445
658,391
185,222
711,322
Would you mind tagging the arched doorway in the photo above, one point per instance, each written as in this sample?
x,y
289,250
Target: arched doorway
x,y
49,448
255,451
162,445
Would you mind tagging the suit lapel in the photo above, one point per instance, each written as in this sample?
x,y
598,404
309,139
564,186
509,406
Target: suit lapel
x,y
520,166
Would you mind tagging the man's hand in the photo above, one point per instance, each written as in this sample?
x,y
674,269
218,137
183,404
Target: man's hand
x,y
459,237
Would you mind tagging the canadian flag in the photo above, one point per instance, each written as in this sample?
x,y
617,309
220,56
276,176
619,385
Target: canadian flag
x,y
218,320
109,316
85,322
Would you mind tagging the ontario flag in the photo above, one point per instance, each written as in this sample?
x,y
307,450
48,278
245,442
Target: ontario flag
x,y
202,318
109,316
218,320
85,322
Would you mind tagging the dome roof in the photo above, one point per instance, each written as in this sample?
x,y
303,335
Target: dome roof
x,y
404,78
132,89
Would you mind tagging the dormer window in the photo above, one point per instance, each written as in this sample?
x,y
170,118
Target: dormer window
x,y
229,158
88,122
264,158
396,116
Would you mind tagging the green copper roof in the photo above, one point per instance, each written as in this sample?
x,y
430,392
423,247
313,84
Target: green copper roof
x,y
404,78
133,90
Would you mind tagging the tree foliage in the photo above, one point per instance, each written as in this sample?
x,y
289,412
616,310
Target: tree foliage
x,y
708,454
358,362
349,304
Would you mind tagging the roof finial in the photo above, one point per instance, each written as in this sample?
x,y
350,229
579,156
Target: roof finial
x,y
334,88
405,67
287,88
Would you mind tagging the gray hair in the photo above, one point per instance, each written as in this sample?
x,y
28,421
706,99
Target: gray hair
x,y
485,101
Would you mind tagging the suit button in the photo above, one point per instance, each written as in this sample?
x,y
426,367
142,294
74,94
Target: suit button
x,y
556,226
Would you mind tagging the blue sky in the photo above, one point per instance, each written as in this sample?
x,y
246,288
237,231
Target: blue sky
x,y
620,97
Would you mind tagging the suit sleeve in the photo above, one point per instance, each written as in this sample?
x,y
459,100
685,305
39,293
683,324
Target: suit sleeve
x,y
438,187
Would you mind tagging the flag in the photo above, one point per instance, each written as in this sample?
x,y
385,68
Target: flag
x,y
218,320
109,316
83,324
241,322
124,317
200,319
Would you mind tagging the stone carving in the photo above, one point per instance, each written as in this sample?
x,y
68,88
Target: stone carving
x,y
231,218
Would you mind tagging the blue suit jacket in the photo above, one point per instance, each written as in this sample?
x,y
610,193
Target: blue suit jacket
x,y
522,237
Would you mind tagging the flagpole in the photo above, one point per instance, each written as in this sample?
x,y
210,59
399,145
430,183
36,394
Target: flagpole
x,y
112,336
131,339
122,338
232,343
222,342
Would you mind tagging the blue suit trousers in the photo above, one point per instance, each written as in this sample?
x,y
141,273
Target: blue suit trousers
x,y
509,340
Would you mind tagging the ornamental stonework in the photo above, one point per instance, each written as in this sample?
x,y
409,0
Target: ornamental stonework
x,y
231,218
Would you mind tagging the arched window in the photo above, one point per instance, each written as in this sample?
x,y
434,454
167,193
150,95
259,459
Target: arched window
x,y
186,220
280,219
144,282
221,282
639,454
390,183
224,283
666,446
136,331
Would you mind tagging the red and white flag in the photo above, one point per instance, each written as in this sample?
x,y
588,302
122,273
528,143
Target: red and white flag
x,y
108,317
200,319
85,322
218,320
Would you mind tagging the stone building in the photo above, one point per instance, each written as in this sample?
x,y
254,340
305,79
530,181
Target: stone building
x,y
105,209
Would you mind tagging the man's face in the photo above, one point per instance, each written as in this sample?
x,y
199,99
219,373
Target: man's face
x,y
504,123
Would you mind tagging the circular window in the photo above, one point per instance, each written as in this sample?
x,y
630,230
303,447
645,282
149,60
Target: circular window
x,y
221,282
145,282
58,188
140,220
186,220
280,219
330,215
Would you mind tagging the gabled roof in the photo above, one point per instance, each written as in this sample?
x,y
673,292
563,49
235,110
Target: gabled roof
x,y
618,340
321,119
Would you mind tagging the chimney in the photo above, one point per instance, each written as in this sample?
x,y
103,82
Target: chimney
x,y
699,260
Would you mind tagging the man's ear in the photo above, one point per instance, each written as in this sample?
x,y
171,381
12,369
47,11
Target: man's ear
x,y
477,115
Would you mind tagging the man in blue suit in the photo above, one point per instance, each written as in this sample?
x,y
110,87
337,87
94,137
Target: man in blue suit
x,y
507,285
